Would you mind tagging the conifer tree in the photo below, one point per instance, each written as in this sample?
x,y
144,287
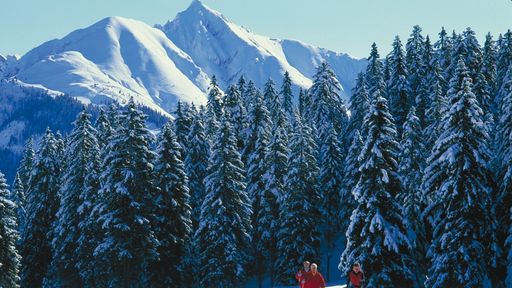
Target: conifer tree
x,y
125,205
236,114
330,182
326,102
377,235
104,129
9,256
223,236
398,85
415,48
82,150
299,242
41,208
411,166
374,71
504,169
173,222
182,122
196,164
19,198
350,177
359,104
286,95
459,183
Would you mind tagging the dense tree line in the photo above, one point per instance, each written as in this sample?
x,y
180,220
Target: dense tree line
x,y
415,170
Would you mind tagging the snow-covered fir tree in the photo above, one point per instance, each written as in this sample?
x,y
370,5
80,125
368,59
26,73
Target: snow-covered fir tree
x,y
298,236
82,149
443,47
378,236
330,181
504,175
223,240
411,165
126,203
91,273
104,129
183,120
436,104
326,102
415,49
9,256
263,201
257,114
489,63
214,108
196,164
422,99
374,71
236,114
173,225
286,95
350,177
271,99
359,103
459,183
41,208
19,198
398,88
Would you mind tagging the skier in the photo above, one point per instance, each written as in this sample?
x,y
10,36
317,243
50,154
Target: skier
x,y
355,278
301,275
314,279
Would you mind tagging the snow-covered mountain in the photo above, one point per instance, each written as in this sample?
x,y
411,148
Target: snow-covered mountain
x,y
229,51
118,58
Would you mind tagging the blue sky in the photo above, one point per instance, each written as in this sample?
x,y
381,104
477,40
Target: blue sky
x,y
342,25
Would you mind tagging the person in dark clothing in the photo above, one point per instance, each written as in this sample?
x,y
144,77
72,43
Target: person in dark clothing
x,y
355,278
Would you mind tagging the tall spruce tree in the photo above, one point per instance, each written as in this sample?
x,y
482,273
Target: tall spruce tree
x,y
330,181
415,49
359,104
173,225
411,166
286,95
91,273
81,151
41,208
236,114
196,164
182,122
223,238
350,176
377,235
374,71
398,85
504,149
298,237
125,205
9,256
459,182
263,201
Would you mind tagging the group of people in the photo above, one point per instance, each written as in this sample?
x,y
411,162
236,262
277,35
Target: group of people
x,y
309,277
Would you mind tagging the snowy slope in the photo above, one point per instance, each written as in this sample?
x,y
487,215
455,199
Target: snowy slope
x,y
116,58
227,50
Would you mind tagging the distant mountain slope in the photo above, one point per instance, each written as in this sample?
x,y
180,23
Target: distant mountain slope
x,y
227,50
116,58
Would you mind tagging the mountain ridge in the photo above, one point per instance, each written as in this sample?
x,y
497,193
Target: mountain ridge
x,y
118,58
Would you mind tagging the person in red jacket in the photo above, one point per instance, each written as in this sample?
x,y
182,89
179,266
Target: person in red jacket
x,y
314,279
300,276
355,278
